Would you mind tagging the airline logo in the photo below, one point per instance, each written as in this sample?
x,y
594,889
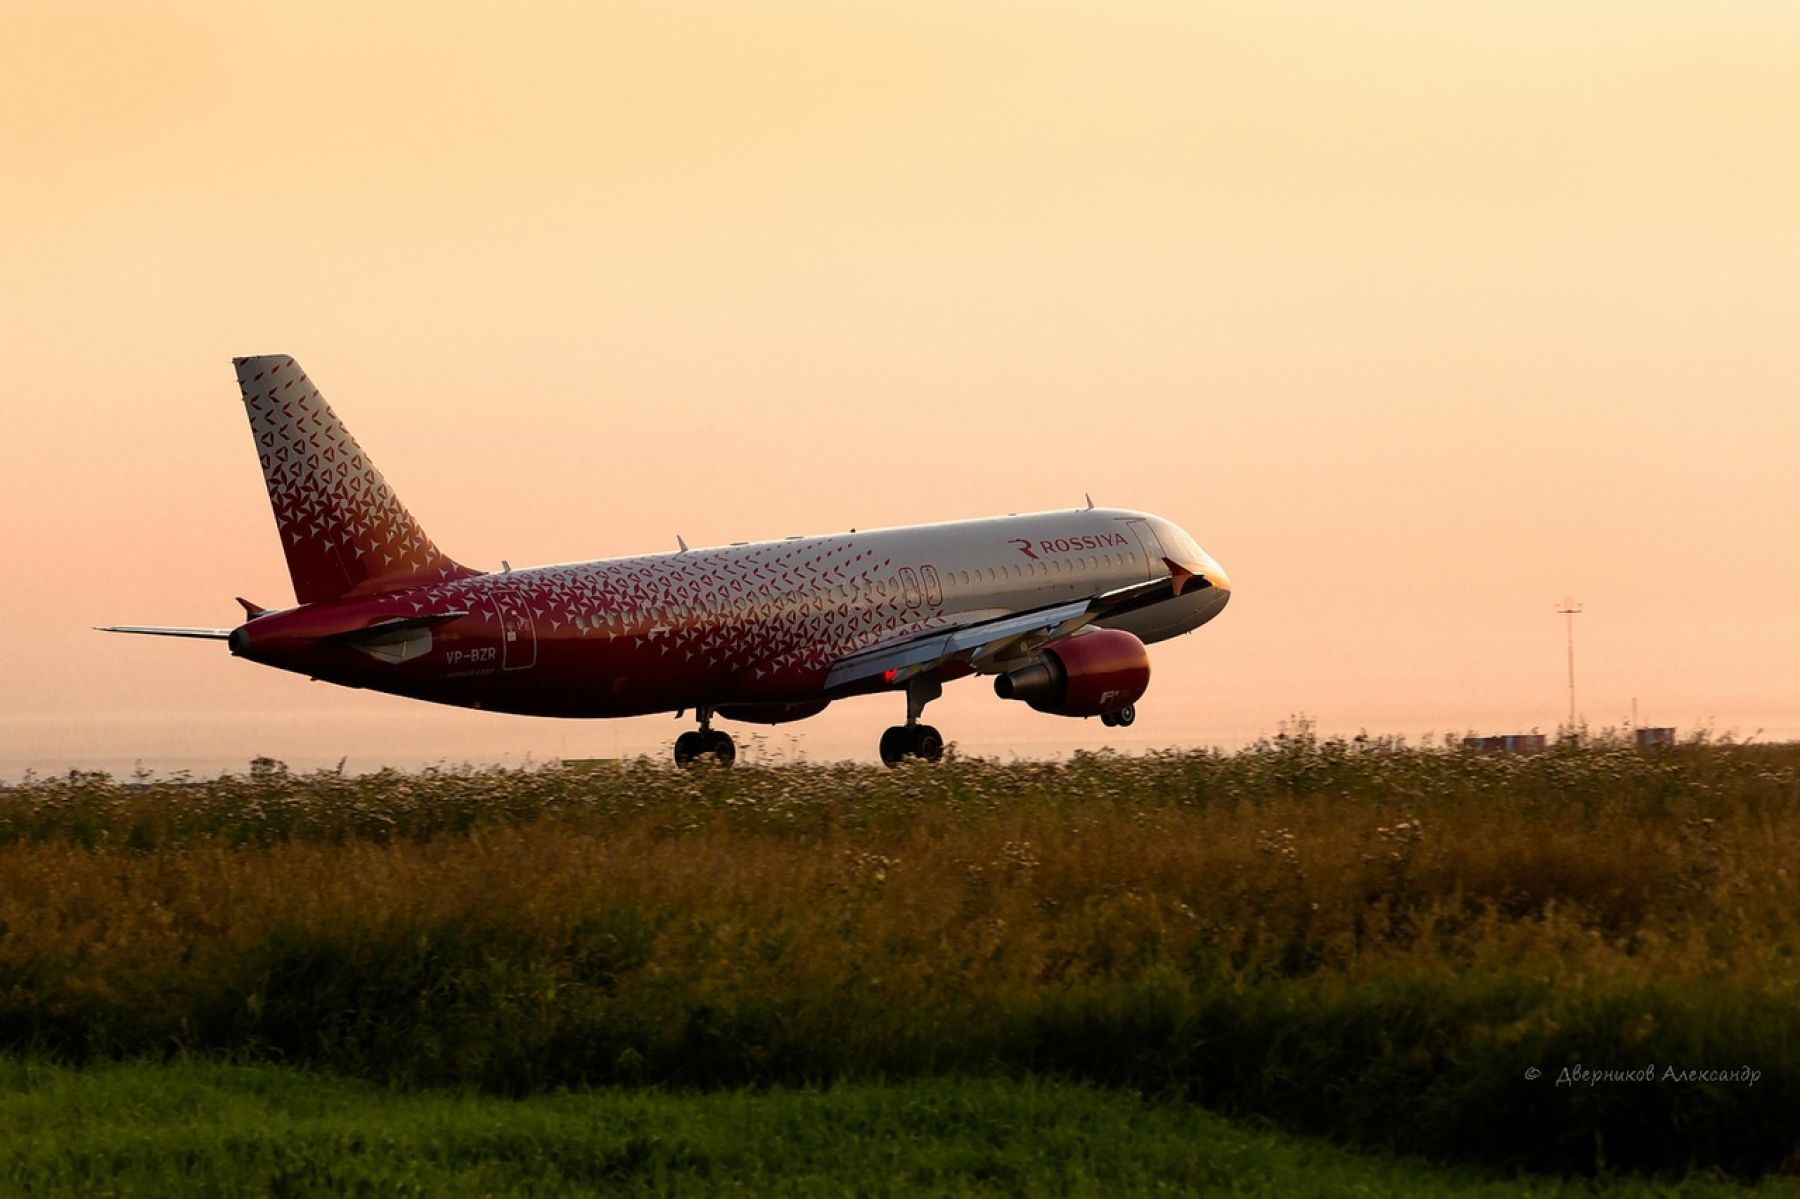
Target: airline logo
x,y
1070,545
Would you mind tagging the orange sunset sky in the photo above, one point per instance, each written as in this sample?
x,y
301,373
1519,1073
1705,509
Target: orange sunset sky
x,y
1418,316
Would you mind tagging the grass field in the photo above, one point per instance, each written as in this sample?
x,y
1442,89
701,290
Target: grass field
x,y
1358,939
189,1129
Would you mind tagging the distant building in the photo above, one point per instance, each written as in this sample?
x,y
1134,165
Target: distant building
x,y
1508,743
1652,738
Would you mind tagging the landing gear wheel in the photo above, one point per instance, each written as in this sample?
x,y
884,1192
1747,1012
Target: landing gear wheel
x,y
894,744
1121,719
701,743
911,741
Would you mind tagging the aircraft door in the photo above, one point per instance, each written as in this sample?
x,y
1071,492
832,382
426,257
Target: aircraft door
x,y
518,635
1151,548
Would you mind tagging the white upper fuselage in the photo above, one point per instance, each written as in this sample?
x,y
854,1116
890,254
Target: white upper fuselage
x,y
960,570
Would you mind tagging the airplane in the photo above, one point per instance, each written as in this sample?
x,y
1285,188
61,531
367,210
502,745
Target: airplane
x,y
1056,607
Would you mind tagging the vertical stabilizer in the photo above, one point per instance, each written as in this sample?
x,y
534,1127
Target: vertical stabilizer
x,y
342,527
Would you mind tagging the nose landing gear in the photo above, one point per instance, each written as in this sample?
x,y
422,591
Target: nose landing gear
x,y
705,741
912,739
1120,719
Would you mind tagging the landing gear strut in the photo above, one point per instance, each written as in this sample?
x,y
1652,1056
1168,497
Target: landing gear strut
x,y
912,739
706,741
1120,719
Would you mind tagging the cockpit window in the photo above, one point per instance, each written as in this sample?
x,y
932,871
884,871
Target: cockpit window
x,y
1185,550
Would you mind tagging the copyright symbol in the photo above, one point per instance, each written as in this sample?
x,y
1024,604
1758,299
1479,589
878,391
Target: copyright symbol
x,y
1532,1072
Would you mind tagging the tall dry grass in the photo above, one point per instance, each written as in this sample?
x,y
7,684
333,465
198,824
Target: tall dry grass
x,y
1360,938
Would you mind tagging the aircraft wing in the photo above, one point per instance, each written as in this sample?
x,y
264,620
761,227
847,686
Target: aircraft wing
x,y
159,631
985,642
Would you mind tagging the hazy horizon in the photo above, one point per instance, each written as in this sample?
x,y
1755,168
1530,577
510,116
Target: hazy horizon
x,y
1418,318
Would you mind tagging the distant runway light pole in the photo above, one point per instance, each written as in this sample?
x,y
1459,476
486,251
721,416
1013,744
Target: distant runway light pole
x,y
1569,611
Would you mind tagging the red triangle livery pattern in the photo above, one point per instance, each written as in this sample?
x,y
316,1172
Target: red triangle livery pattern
x,y
333,508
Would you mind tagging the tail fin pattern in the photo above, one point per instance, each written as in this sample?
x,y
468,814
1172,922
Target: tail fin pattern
x,y
342,527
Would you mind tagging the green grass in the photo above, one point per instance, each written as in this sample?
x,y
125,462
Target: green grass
x,y
207,1129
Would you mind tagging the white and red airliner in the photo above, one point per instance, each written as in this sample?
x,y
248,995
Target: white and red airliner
x,y
1055,606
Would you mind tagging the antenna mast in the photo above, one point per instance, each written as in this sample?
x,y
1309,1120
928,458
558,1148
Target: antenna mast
x,y
1569,611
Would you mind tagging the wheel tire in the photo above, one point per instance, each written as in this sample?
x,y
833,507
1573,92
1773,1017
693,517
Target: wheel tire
x,y
927,743
721,747
1124,716
894,745
689,746
1108,719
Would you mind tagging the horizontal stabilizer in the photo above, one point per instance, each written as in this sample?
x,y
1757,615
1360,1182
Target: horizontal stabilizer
x,y
157,631
396,641
393,630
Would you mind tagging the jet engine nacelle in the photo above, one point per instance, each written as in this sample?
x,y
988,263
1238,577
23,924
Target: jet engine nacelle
x,y
1089,674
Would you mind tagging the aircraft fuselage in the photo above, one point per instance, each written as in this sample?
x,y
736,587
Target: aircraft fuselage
x,y
753,626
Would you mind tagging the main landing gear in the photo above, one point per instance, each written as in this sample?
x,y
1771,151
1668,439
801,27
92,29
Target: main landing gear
x,y
705,741
1121,719
912,739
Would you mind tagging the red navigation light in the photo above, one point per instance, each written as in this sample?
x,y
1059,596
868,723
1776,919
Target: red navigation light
x,y
887,676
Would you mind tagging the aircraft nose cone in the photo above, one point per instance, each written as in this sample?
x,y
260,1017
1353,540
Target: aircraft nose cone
x,y
1220,591
1219,594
